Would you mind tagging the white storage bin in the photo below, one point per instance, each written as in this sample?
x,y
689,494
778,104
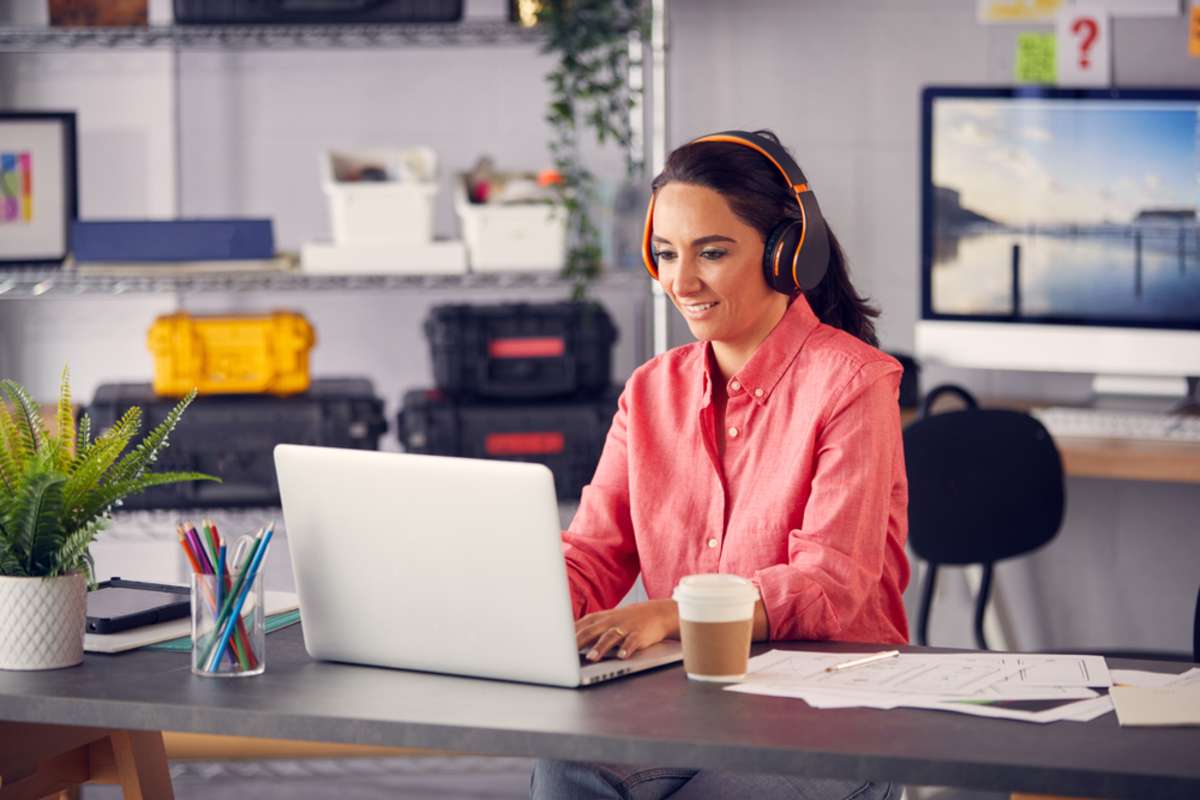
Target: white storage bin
x,y
398,210
513,237
430,258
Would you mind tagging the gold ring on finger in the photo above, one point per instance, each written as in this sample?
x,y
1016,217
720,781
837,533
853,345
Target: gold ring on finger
x,y
620,632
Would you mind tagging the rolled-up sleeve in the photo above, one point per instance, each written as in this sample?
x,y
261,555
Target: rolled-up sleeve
x,y
836,558
599,546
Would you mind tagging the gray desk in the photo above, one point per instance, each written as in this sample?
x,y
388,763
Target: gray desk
x,y
657,717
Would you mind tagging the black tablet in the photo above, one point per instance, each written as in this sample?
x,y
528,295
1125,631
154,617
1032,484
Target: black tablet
x,y
118,605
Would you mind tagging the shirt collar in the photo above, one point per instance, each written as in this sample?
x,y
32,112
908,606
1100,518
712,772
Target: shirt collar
x,y
770,361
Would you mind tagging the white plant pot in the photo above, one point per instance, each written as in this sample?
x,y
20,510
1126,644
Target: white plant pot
x,y
42,621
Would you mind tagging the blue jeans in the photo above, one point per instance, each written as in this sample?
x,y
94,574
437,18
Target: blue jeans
x,y
570,780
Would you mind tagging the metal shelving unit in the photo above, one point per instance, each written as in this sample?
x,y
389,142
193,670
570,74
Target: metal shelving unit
x,y
38,282
268,37
22,283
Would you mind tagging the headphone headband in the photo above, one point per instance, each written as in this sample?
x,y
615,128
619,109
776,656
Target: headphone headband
x,y
806,248
772,151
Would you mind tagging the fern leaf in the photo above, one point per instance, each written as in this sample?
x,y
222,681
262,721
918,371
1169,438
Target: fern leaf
x,y
65,438
102,500
73,553
10,564
138,460
100,456
14,451
12,456
28,415
83,440
34,525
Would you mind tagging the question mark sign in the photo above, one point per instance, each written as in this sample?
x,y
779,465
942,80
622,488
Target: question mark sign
x,y
1090,28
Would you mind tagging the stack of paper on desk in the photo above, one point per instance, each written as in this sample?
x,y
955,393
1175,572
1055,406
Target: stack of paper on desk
x,y
1028,687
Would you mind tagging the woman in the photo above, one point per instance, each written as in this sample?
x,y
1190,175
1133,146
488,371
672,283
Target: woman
x,y
770,448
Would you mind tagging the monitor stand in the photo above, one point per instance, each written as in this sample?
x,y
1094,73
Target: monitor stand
x,y
1161,395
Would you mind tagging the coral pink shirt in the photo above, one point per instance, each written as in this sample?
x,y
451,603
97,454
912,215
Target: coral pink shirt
x,y
809,499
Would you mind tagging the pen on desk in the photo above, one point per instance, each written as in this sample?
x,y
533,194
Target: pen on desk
x,y
858,662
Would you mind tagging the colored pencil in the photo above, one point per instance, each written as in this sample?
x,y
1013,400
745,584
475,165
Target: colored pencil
x,y
220,574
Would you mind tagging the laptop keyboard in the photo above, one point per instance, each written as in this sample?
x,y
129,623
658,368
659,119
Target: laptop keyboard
x,y
585,662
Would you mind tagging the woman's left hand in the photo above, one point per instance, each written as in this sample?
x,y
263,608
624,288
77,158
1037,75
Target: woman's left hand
x,y
627,629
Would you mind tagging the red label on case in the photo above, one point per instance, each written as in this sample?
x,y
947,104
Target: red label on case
x,y
523,444
543,347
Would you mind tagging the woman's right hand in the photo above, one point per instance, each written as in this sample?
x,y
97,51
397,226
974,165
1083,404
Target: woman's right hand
x,y
627,629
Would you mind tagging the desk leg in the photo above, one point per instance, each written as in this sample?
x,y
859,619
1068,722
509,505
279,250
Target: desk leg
x,y
141,762
40,760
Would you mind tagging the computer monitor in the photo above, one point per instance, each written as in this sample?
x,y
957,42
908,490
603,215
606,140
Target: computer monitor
x,y
1060,232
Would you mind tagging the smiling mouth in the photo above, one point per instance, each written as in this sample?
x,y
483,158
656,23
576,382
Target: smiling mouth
x,y
697,309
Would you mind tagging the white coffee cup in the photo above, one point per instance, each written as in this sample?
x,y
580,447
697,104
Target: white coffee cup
x,y
716,623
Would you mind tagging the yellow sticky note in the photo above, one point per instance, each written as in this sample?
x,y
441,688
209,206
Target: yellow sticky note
x,y
1018,10
1194,32
1034,62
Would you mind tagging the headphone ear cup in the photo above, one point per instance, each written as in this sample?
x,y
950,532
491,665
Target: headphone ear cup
x,y
778,251
649,261
814,257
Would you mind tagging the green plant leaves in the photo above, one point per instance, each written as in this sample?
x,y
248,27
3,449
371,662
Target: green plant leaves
x,y
33,525
57,490
591,83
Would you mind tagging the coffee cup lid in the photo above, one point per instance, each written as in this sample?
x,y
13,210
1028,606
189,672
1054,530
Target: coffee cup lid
x,y
715,588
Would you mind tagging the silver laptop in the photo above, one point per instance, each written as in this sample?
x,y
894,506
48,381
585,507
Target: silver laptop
x,y
439,564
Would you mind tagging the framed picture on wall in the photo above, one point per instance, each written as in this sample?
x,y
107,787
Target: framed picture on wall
x,y
37,186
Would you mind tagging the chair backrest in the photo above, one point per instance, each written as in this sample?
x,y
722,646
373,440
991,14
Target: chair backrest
x,y
983,485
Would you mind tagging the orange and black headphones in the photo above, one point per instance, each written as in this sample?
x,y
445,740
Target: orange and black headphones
x,y
796,253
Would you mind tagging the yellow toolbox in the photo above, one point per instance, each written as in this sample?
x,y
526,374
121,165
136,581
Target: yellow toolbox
x,y
265,354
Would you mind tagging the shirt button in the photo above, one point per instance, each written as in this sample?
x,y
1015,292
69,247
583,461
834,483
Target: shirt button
x,y
758,392
733,432
735,386
712,543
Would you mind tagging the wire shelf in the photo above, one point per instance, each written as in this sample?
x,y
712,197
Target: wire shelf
x,y
268,37
20,283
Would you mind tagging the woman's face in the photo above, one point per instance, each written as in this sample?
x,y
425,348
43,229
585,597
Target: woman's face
x,y
710,265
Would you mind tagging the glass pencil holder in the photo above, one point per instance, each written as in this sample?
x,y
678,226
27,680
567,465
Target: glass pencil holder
x,y
228,626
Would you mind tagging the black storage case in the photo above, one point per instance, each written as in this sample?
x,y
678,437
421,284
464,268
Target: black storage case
x,y
320,12
567,436
521,351
233,436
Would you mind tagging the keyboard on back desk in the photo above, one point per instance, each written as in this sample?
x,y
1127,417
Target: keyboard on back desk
x,y
1095,423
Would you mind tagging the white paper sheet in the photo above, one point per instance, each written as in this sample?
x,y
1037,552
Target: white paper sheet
x,y
1159,705
1059,670
1137,677
1189,678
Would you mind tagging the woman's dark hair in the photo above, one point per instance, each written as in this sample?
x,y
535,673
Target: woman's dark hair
x,y
760,195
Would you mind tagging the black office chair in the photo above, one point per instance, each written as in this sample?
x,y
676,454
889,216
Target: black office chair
x,y
983,485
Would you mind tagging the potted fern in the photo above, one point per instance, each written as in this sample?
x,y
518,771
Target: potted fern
x,y
57,491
